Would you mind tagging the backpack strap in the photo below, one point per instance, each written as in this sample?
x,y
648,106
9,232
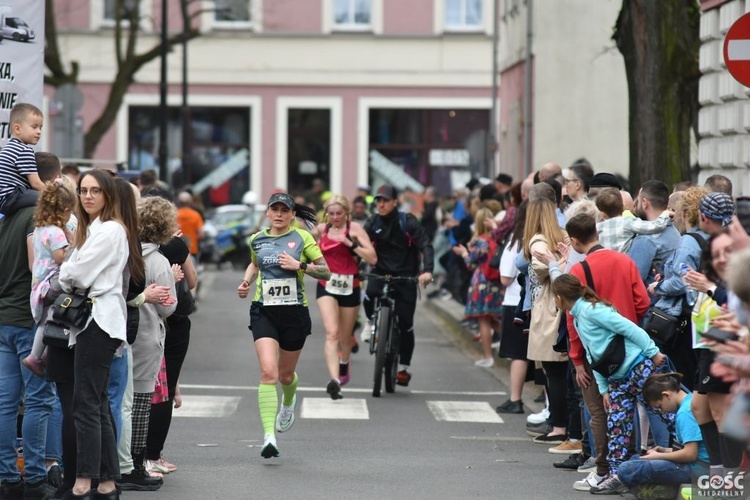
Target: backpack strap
x,y
404,228
587,272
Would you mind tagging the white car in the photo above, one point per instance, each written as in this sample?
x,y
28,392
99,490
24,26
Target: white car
x,y
17,29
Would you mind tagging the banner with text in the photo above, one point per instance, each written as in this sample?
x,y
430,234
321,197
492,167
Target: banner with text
x,y
21,58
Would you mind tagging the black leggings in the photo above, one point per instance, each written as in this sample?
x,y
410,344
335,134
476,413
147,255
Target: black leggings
x,y
175,349
557,391
405,296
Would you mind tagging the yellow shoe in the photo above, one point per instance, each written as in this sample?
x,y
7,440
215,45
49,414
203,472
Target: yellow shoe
x,y
687,493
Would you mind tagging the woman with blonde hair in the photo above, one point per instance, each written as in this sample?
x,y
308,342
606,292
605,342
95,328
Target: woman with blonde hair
x,y
543,234
485,297
343,243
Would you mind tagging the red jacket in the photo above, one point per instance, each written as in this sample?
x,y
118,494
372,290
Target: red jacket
x,y
616,280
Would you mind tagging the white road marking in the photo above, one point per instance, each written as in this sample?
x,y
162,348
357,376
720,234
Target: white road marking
x,y
464,411
344,390
343,409
207,406
738,50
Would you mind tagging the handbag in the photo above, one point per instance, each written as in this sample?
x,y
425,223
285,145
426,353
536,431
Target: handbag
x,y
55,335
72,309
661,326
612,358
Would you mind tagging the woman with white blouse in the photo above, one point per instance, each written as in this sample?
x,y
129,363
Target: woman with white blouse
x,y
96,265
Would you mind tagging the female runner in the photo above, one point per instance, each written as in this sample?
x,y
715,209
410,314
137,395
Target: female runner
x,y
279,318
341,242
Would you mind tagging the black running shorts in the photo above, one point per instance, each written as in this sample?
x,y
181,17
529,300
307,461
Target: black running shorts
x,y
351,300
288,325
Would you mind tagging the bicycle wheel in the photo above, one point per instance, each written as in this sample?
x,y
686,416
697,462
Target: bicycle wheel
x,y
391,362
381,334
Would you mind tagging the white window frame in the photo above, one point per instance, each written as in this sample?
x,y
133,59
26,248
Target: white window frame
x,y
365,104
205,100
208,18
484,27
375,26
335,105
96,15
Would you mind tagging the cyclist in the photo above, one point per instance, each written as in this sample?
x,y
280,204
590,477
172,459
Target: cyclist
x,y
342,243
279,318
399,240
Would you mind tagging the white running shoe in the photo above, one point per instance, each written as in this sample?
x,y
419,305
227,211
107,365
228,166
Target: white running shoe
x,y
368,330
485,363
285,418
270,449
586,484
538,418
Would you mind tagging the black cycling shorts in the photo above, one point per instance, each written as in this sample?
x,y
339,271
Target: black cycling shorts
x,y
288,325
351,300
704,381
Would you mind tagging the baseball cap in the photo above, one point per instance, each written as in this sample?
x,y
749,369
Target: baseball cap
x,y
718,207
281,198
386,191
605,179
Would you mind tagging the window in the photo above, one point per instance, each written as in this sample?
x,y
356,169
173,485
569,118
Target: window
x,y
232,12
110,10
352,14
463,14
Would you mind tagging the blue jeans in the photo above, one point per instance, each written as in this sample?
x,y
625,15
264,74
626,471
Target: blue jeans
x,y
19,384
638,471
118,379
54,432
587,419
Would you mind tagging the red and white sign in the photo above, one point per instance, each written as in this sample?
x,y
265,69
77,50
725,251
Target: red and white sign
x,y
737,50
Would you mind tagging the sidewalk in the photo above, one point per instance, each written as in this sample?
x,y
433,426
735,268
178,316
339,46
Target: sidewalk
x,y
452,313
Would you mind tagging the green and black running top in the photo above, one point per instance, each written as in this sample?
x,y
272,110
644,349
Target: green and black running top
x,y
276,286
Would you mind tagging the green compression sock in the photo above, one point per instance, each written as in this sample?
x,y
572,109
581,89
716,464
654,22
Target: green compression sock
x,y
290,390
268,404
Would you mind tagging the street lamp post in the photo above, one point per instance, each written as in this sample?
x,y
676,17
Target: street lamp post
x,y
187,171
163,119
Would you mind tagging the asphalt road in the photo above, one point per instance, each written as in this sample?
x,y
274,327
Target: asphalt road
x,y
438,438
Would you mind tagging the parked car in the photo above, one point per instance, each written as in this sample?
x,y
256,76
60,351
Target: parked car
x,y
226,233
17,29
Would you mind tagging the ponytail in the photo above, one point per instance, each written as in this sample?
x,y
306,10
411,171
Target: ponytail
x,y
307,214
570,289
663,382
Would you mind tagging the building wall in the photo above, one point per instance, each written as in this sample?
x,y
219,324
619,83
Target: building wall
x,y
580,101
724,118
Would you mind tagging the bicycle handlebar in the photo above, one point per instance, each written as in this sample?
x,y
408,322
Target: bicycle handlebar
x,y
390,278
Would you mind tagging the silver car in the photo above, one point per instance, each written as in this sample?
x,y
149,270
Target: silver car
x,y
17,29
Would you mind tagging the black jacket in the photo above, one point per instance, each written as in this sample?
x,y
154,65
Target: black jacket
x,y
396,255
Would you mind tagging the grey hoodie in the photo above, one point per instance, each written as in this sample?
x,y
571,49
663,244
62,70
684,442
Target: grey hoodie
x,y
148,347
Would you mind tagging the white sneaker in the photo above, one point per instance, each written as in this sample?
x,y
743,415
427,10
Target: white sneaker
x,y
538,418
485,363
368,330
152,466
586,484
269,447
285,418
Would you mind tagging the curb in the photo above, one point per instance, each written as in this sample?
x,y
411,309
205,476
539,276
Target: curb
x,y
451,313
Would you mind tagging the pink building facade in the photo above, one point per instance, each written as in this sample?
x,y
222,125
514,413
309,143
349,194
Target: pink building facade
x,y
282,92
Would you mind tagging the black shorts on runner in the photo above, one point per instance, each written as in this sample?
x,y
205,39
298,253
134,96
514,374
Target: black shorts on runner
x,y
288,325
704,381
351,300
513,342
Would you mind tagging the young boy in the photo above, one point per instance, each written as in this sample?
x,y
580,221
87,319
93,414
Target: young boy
x,y
19,181
664,466
616,232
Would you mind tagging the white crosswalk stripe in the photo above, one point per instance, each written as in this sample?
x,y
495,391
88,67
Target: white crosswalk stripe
x,y
207,406
343,409
464,411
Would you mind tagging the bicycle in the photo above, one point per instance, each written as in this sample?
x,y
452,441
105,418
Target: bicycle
x,y
384,341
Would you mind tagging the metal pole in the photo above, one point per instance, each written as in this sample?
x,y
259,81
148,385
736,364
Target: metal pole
x,y
187,171
163,121
527,90
492,169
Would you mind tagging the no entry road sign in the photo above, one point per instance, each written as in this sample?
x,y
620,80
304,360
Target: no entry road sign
x,y
737,50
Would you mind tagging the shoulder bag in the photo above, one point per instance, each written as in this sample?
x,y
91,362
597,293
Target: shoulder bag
x,y
614,355
55,335
72,309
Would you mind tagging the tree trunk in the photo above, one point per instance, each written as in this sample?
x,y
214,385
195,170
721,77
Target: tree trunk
x,y
659,41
